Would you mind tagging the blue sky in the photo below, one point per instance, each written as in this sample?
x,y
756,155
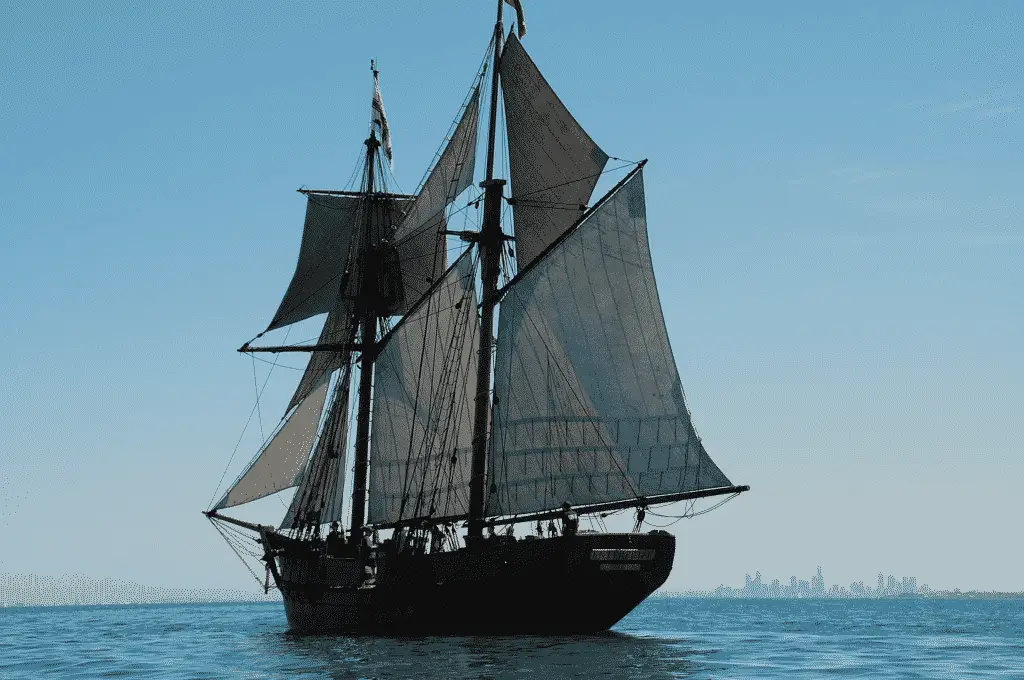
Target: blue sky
x,y
836,205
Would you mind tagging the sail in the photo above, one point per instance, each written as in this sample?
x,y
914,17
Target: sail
x,y
339,328
321,489
422,409
327,238
588,406
452,174
280,463
421,259
553,162
405,272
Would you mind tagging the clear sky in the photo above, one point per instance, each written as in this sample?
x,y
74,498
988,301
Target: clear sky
x,y
836,205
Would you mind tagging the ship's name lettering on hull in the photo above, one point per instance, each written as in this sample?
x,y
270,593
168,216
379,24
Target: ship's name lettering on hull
x,y
622,554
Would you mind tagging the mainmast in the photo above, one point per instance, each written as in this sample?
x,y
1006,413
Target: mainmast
x,y
490,242
368,318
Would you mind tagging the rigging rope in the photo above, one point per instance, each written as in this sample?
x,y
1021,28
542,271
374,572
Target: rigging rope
x,y
244,428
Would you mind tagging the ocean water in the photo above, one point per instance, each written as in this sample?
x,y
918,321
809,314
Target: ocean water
x,y
663,638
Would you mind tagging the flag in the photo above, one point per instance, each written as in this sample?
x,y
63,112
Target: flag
x,y
520,19
379,121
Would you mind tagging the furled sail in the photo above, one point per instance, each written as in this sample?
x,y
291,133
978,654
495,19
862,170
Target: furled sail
x,y
327,237
554,164
422,409
280,463
320,494
588,406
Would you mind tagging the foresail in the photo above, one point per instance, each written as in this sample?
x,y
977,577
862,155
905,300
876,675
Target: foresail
x,y
320,494
327,239
422,408
280,463
588,403
554,164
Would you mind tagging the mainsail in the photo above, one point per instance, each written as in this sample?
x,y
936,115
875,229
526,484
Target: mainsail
x,y
588,402
422,405
279,465
554,164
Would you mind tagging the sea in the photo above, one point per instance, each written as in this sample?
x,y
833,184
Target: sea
x,y
663,638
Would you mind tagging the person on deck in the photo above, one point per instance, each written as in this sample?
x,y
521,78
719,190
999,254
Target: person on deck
x,y
552,531
641,514
335,541
436,539
365,548
570,520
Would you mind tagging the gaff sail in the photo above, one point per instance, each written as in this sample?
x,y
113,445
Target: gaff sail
x,y
422,409
588,403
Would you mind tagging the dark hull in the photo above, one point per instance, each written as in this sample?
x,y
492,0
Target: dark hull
x,y
544,586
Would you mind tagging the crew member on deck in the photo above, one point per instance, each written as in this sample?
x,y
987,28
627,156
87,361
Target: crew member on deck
x,y
641,514
335,541
552,531
570,520
365,548
436,539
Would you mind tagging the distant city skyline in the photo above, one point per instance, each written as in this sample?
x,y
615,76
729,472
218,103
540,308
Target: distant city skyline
x,y
885,587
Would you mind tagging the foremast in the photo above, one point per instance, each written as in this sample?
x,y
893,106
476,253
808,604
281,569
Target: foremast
x,y
369,317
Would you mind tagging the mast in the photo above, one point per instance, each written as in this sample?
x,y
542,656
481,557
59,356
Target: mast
x,y
368,325
490,242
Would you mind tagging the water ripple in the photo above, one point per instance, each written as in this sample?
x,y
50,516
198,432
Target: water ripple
x,y
664,638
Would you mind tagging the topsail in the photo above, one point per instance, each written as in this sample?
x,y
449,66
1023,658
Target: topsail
x,y
327,239
554,163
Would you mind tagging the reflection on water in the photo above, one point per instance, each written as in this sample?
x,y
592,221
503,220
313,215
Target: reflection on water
x,y
612,655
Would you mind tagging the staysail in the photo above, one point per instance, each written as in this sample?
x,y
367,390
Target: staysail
x,y
279,465
419,239
422,410
588,403
450,176
320,494
339,329
554,164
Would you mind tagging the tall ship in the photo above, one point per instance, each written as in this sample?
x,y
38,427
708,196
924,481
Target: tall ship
x,y
493,372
